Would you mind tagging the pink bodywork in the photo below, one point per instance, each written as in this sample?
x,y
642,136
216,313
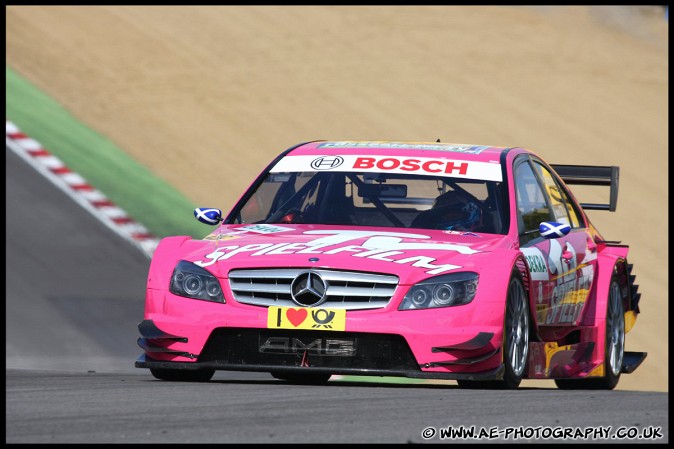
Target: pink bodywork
x,y
411,258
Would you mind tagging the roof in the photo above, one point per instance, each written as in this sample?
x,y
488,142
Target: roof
x,y
397,148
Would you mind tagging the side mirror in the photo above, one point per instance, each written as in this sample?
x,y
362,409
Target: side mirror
x,y
553,230
208,215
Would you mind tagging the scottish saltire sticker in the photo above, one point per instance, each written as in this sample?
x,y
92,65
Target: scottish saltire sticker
x,y
208,215
552,230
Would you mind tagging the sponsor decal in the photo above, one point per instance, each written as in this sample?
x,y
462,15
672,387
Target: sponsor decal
x,y
319,346
384,246
217,236
327,162
306,318
452,232
425,166
243,231
469,149
572,284
385,240
564,313
412,165
563,283
536,263
264,228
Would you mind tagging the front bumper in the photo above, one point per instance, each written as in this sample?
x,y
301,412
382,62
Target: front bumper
x,y
343,353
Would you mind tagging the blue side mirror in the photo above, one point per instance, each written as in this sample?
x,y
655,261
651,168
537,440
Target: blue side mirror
x,y
208,215
553,230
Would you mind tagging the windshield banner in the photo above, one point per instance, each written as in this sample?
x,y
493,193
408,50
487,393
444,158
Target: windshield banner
x,y
487,171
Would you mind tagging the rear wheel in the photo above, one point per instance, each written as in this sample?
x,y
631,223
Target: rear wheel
x,y
303,378
614,348
516,340
176,375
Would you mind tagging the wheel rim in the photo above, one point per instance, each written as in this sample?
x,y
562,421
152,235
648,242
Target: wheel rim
x,y
518,328
616,331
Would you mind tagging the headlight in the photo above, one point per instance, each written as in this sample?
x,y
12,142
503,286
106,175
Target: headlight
x,y
442,291
192,281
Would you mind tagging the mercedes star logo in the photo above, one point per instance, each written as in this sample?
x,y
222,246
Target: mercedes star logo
x,y
308,289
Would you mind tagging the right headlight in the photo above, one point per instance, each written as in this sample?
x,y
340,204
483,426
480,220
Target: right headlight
x,y
442,291
192,281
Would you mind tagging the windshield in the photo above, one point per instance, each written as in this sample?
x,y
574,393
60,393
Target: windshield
x,y
376,199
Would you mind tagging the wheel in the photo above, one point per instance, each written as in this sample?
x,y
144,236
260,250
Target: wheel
x,y
516,340
308,378
177,375
614,348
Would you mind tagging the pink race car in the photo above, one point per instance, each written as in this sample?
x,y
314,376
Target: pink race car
x,y
411,259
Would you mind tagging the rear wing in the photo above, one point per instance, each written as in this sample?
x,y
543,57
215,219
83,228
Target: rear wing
x,y
592,175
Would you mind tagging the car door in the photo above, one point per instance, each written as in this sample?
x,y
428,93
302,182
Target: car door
x,y
562,269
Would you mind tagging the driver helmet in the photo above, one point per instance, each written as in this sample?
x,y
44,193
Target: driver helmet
x,y
454,211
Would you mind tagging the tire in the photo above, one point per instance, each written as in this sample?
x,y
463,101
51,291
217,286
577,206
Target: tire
x,y
176,375
515,338
308,378
614,348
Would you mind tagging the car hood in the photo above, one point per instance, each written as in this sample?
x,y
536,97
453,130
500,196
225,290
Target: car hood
x,y
412,255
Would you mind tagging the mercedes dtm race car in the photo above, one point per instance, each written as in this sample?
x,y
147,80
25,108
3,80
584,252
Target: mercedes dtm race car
x,y
421,260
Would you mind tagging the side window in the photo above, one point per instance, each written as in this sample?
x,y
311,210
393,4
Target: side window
x,y
575,221
561,205
532,205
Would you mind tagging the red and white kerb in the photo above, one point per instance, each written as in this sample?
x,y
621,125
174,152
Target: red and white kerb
x,y
77,188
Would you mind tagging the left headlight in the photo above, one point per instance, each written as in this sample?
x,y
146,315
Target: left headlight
x,y
442,291
192,281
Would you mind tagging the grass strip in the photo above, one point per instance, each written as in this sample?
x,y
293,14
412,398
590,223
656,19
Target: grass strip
x,y
130,185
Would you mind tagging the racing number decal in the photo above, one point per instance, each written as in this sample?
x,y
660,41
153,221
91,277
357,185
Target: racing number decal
x,y
306,318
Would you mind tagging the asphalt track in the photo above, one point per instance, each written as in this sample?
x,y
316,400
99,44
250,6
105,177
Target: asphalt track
x,y
74,295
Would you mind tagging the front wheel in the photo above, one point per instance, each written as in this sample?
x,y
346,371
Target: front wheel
x,y
614,348
177,375
515,338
